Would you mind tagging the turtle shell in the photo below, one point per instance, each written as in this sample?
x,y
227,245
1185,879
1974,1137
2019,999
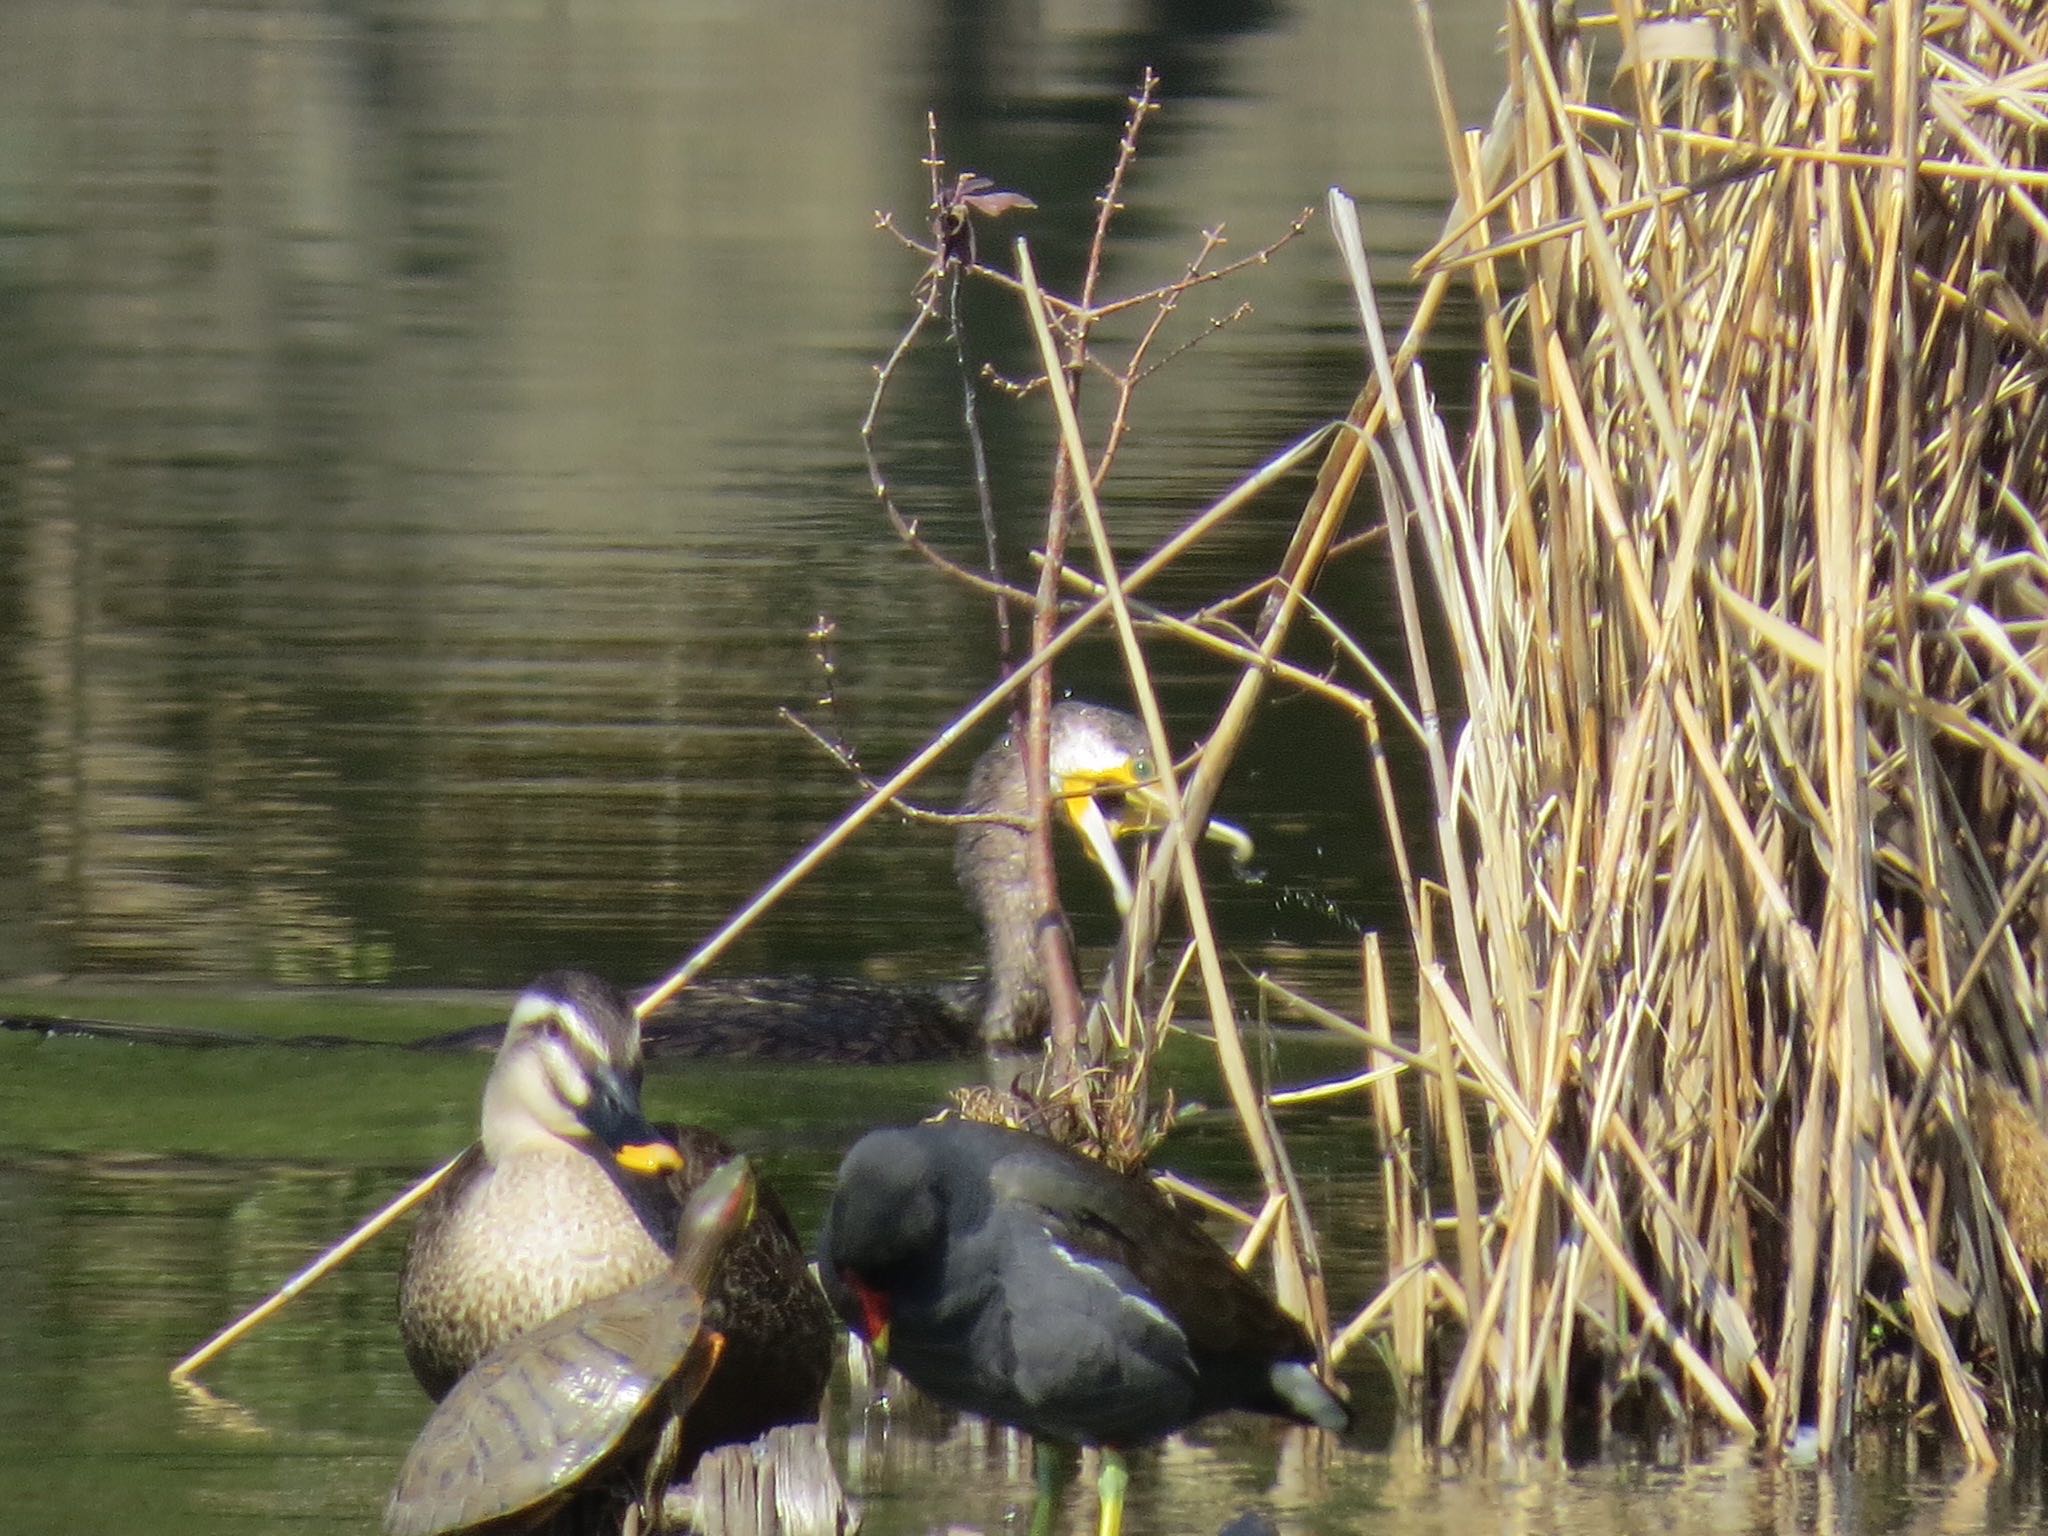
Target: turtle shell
x,y
538,1414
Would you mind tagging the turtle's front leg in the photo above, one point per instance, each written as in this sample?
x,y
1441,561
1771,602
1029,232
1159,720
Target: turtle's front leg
x,y
644,1518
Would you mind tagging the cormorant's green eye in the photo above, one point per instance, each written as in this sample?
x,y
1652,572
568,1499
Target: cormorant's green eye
x,y
1141,768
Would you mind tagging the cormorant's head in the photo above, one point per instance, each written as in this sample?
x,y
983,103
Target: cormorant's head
x,y
1107,785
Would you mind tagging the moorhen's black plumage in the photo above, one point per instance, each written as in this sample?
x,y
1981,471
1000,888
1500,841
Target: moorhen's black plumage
x,y
1015,1278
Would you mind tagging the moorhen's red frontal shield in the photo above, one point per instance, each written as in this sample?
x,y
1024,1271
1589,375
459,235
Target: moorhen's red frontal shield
x,y
1027,1283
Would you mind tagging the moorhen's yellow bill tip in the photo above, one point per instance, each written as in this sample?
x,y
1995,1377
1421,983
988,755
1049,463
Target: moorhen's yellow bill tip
x,y
649,1157
874,1314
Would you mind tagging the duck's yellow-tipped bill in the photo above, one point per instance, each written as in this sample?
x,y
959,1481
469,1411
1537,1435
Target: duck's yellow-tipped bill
x,y
649,1157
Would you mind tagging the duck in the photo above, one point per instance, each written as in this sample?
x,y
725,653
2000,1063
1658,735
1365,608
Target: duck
x,y
1009,1276
1103,782
571,1195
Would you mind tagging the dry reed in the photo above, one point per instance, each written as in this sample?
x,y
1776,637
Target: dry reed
x,y
1732,958
1743,573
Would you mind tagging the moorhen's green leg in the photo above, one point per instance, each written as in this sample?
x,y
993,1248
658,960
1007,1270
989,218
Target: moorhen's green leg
x,y
1053,1467
1046,1466
1110,1486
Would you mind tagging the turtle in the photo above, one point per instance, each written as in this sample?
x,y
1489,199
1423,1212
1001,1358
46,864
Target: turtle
x,y
548,1413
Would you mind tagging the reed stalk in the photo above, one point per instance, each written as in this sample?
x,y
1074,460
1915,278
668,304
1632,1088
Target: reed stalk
x,y
1725,630
1739,804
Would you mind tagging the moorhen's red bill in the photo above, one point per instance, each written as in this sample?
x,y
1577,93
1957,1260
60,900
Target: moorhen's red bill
x,y
1014,1278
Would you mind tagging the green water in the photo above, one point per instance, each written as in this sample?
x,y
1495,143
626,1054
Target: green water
x,y
148,1194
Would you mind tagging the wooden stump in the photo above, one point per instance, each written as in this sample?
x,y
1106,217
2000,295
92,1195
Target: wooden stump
x,y
782,1484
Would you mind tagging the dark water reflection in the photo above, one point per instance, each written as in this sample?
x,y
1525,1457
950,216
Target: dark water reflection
x,y
428,437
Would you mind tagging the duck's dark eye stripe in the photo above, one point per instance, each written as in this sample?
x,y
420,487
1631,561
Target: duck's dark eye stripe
x,y
573,1028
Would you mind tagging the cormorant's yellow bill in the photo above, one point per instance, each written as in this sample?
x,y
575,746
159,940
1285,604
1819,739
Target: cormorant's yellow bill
x,y
1124,801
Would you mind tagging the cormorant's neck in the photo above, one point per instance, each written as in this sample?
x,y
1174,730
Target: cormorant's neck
x,y
994,865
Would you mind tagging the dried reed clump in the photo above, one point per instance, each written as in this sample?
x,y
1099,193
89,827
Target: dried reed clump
x,y
2014,1148
1741,579
1744,572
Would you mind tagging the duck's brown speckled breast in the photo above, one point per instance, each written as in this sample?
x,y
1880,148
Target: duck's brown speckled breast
x,y
501,1247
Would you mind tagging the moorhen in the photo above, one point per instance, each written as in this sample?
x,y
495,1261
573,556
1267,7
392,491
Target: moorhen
x,y
1007,1275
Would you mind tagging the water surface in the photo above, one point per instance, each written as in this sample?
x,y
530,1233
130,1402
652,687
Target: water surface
x,y
428,443
148,1194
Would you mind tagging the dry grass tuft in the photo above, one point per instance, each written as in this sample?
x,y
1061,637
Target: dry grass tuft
x,y
2015,1153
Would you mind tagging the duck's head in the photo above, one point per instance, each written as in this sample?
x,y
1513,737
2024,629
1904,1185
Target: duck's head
x,y
568,1073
